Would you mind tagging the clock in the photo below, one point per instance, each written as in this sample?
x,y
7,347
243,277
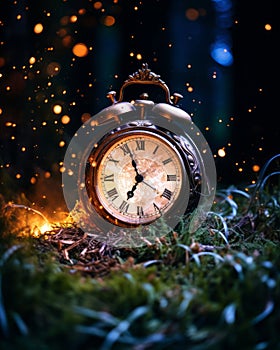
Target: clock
x,y
139,173
137,166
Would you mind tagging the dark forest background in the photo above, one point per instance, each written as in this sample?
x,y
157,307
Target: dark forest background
x,y
233,105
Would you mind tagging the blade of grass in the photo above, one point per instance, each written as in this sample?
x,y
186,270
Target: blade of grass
x,y
122,327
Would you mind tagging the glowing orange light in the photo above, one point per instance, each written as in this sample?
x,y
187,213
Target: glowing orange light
x,y
221,152
40,229
82,11
47,175
65,119
109,21
32,60
38,28
267,27
192,14
139,56
73,19
57,109
45,227
33,180
97,5
80,50
256,168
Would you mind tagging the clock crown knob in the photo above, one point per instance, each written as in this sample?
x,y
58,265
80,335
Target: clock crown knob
x,y
111,95
177,97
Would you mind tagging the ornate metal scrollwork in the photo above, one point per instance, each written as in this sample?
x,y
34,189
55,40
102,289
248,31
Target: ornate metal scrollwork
x,y
145,76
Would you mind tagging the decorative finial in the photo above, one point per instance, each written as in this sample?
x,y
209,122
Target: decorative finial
x,y
112,96
177,97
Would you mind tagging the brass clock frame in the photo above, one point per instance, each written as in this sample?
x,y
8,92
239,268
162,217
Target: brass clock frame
x,y
190,176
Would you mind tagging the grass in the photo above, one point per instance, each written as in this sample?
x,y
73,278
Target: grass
x,y
218,288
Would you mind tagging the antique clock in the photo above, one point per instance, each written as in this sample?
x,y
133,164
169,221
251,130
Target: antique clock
x,y
138,165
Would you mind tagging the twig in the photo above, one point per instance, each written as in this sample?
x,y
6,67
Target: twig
x,y
22,206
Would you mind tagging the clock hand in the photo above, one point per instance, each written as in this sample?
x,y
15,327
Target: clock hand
x,y
133,161
134,165
147,184
130,194
138,178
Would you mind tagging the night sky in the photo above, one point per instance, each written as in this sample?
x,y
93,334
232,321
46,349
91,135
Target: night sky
x,y
59,58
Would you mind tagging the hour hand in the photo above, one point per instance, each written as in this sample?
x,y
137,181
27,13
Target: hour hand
x,y
130,194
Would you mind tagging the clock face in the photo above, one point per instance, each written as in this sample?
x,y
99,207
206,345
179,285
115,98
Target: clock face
x,y
136,178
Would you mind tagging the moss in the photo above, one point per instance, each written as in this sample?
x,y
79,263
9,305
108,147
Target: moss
x,y
216,288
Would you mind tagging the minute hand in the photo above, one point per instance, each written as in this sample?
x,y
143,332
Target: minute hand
x,y
135,166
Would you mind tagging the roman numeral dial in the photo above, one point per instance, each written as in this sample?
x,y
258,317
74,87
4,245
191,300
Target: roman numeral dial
x,y
138,178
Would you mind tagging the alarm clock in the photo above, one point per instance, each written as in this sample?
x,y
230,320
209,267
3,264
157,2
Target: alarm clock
x,y
138,166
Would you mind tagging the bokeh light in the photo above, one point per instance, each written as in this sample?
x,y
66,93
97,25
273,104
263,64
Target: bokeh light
x,y
80,50
57,109
65,119
58,61
38,28
109,21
